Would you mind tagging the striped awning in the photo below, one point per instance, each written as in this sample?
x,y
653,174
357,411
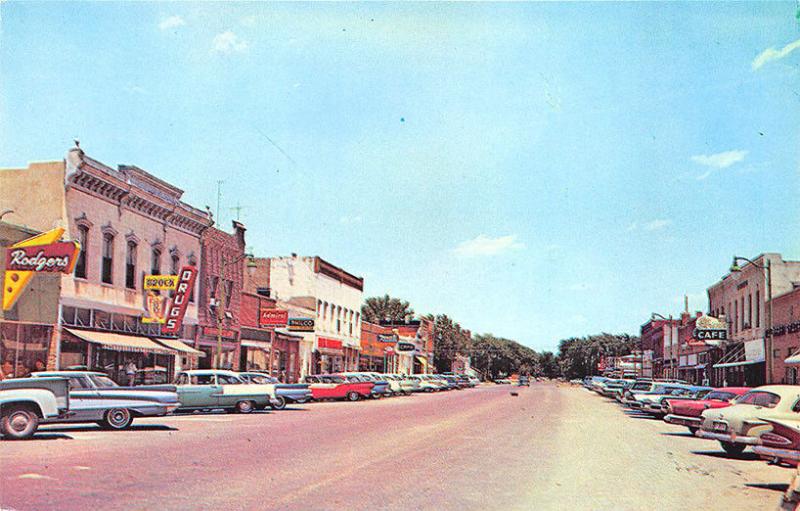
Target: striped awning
x,y
180,346
120,342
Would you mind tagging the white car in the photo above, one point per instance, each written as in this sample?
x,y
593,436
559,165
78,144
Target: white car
x,y
427,384
25,401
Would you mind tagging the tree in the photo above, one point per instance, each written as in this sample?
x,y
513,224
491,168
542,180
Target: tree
x,y
378,308
578,357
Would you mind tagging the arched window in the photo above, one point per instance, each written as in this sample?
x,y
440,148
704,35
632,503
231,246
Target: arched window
x,y
176,261
107,270
130,266
83,239
155,262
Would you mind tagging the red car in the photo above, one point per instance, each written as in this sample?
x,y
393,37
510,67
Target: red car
x,y
782,444
329,386
684,412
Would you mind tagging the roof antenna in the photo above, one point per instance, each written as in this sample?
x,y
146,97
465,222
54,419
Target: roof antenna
x,y
686,303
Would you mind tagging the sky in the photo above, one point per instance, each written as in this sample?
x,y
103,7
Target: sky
x,y
534,170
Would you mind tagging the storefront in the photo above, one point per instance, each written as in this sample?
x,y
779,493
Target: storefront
x,y
329,356
207,342
742,365
24,348
126,359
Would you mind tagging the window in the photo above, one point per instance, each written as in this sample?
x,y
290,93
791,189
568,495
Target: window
x,y
735,315
228,293
83,239
750,310
203,379
130,266
758,309
176,261
759,398
155,262
106,272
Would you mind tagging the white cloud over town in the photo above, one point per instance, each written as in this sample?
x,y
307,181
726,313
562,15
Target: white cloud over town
x,y
171,22
483,245
721,160
771,54
228,42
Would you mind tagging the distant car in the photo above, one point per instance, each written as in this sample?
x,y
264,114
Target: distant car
x,y
25,402
503,381
380,386
334,386
524,381
213,389
474,380
94,397
284,392
740,424
655,403
687,412
637,400
427,384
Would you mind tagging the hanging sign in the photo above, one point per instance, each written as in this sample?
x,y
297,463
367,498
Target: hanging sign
x,y
156,306
41,253
301,324
180,300
272,317
405,347
163,282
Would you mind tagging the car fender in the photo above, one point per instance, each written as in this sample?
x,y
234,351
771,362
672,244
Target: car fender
x,y
43,399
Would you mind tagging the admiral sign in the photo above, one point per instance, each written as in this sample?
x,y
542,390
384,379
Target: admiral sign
x,y
301,324
387,338
273,317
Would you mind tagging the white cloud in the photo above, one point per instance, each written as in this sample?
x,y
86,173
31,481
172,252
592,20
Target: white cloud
x,y
705,174
350,220
658,224
485,246
720,160
228,42
171,22
248,21
135,89
771,54
582,286
632,227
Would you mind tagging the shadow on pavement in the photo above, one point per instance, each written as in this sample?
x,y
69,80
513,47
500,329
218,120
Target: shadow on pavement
x,y
93,427
684,435
53,436
781,487
746,456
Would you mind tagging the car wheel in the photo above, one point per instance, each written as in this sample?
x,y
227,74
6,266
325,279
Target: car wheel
x,y
117,418
693,429
301,401
352,396
279,403
244,406
428,389
18,422
733,448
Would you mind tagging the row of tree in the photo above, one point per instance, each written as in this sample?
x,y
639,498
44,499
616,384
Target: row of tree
x,y
496,357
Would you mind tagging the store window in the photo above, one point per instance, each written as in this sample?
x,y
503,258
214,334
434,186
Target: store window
x,y
130,266
106,271
83,239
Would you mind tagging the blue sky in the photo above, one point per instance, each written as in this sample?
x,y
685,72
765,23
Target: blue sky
x,y
533,170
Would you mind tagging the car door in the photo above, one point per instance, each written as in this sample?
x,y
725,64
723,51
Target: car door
x,y
196,391
84,400
226,400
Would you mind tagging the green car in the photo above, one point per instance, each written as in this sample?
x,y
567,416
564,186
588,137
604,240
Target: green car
x,y
216,389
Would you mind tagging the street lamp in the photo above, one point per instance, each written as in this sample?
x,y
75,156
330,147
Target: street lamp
x,y
251,265
766,270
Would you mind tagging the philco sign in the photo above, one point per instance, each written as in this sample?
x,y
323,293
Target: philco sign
x,y
39,254
301,324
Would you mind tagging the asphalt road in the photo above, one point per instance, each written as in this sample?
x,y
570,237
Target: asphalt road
x,y
551,447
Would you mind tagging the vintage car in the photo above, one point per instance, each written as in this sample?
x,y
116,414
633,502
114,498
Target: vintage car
x,y
212,389
684,412
782,443
24,402
380,386
636,399
656,404
334,386
294,392
400,384
740,424
94,397
425,384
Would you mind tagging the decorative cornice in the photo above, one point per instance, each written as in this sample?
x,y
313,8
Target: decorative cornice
x,y
109,229
83,221
132,238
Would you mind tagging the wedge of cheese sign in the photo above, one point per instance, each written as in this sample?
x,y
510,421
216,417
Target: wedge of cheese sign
x,y
15,281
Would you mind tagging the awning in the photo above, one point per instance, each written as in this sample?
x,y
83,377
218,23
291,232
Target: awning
x,y
119,342
288,333
181,346
250,343
423,361
794,359
741,363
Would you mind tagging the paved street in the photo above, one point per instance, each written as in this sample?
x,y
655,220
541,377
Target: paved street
x,y
552,447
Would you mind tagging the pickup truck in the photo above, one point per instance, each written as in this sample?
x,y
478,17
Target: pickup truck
x,y
25,401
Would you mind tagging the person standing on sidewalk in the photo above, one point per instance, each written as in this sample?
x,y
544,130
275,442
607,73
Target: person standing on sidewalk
x,y
130,372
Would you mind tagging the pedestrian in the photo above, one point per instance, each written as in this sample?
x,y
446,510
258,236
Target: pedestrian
x,y
130,372
39,365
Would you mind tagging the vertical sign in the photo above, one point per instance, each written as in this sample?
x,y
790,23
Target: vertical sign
x,y
177,309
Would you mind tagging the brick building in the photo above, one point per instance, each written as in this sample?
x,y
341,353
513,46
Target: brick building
x,y
221,283
657,337
786,336
267,348
377,342
697,357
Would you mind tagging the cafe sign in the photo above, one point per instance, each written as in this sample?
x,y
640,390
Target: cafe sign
x,y
42,253
709,328
405,347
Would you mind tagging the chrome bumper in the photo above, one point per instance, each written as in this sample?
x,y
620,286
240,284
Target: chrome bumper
x,y
772,452
727,437
682,420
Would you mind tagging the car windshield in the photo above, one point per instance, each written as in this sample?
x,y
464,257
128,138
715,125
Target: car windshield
x,y
721,396
103,381
332,379
641,386
760,398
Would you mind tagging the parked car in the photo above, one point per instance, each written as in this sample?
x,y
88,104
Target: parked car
x,y
426,384
687,412
213,389
334,386
656,404
151,376
782,443
637,400
284,392
94,397
474,380
380,386
503,381
25,402
739,425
